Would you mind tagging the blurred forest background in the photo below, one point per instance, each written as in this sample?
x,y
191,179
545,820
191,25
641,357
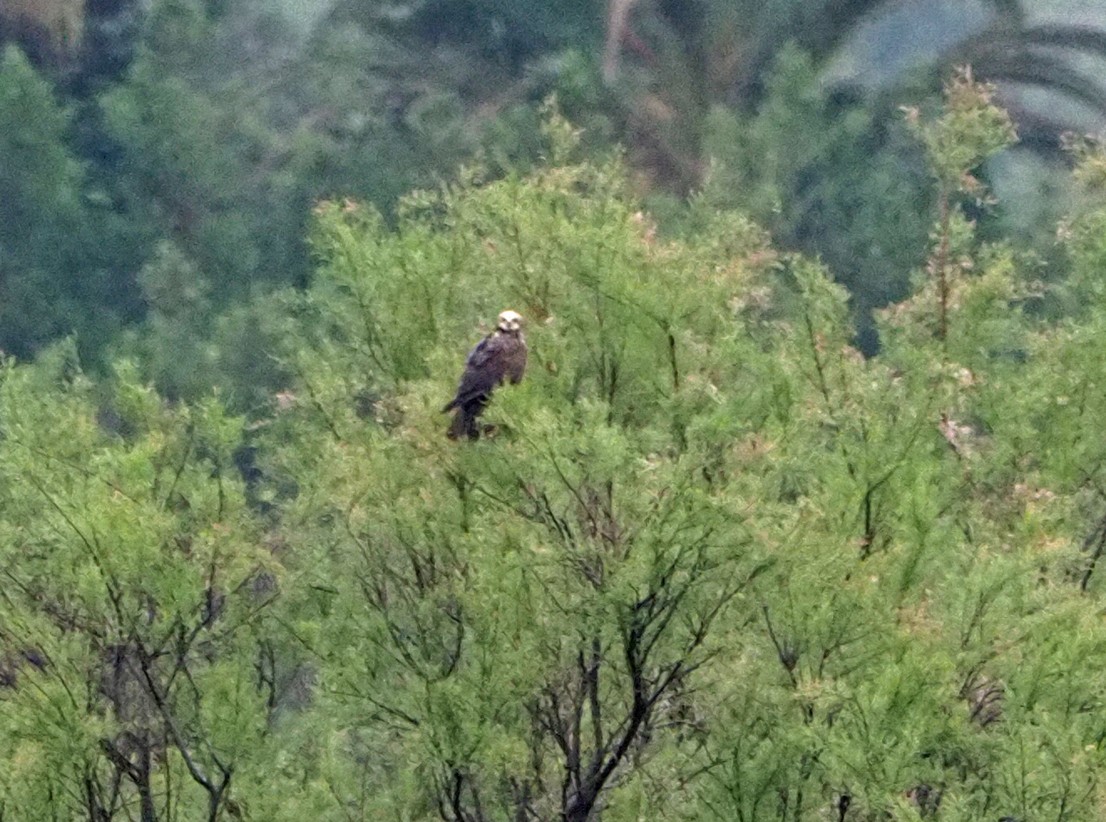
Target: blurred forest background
x,y
159,158
798,514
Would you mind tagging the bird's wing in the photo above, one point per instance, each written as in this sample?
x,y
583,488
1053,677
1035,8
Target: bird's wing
x,y
484,369
516,360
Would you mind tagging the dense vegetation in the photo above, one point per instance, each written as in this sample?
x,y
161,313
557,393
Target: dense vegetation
x,y
159,160
711,562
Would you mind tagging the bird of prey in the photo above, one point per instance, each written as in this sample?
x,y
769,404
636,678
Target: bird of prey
x,y
499,356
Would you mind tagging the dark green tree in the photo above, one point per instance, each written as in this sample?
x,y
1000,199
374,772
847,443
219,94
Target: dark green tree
x,y
58,269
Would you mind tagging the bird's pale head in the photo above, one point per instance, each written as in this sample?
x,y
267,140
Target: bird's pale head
x,y
509,321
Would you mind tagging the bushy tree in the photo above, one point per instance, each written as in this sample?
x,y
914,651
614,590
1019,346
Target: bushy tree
x,y
828,176
56,255
134,598
706,560
526,617
712,562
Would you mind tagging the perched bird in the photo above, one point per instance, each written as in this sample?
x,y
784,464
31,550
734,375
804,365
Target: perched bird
x,y
499,356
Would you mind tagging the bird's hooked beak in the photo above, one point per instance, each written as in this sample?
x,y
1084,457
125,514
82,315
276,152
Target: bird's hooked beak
x,y
510,321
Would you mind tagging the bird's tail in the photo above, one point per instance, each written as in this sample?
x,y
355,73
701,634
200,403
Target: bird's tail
x,y
463,425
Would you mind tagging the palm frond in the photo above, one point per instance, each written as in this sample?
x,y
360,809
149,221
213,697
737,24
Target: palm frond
x,y
1030,67
1078,38
826,27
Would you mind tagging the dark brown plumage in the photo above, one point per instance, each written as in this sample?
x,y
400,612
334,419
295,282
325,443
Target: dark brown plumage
x,y
499,356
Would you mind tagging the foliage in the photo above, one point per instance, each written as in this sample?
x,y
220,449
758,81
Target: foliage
x,y
714,563
824,176
213,128
54,278
135,590
709,561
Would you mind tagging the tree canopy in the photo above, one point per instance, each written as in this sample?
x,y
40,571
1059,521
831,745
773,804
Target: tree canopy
x,y
195,136
712,562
